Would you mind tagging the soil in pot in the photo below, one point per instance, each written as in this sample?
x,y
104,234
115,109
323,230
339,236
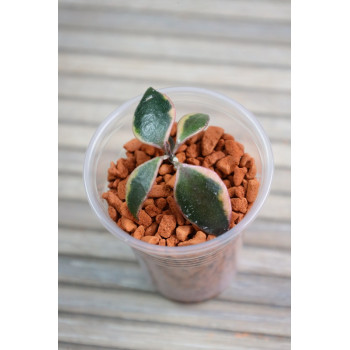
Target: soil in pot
x,y
160,221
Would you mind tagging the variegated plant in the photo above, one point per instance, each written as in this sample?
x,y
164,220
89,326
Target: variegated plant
x,y
199,192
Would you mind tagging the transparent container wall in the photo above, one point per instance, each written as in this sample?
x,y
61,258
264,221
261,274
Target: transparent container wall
x,y
192,273
196,277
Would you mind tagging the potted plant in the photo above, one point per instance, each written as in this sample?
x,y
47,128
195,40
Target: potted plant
x,y
195,227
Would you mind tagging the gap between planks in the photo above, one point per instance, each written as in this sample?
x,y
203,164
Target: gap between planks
x,y
172,25
78,137
254,11
70,161
70,184
264,79
125,275
175,49
112,90
260,234
276,208
165,83
91,114
148,307
119,332
72,346
85,241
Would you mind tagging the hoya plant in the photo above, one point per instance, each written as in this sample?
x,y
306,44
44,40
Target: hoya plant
x,y
199,192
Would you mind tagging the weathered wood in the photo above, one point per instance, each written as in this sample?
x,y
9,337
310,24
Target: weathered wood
x,y
92,113
149,336
98,244
185,49
271,234
276,207
238,9
174,25
71,346
111,51
117,90
71,161
244,288
71,186
79,136
79,214
273,79
268,234
149,307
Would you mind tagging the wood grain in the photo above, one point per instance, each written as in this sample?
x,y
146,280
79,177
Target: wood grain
x,y
260,10
124,334
71,185
261,232
79,136
70,161
174,49
171,24
272,79
93,113
116,90
149,307
273,204
107,274
111,51
99,244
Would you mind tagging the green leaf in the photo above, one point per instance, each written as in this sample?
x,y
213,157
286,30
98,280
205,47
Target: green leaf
x,y
189,125
153,118
203,198
140,183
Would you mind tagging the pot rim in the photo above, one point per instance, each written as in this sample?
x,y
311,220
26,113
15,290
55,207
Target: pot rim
x,y
196,249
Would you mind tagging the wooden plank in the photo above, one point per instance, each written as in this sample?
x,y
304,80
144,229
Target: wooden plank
x,y
260,233
245,288
79,215
116,333
268,234
92,113
79,136
71,162
273,79
71,346
172,48
149,307
238,9
70,186
171,24
276,207
117,90
98,244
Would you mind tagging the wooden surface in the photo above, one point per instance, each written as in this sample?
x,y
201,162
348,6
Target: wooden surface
x,y
112,50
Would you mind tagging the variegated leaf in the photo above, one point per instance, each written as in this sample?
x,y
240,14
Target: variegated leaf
x,y
189,125
153,118
203,198
140,183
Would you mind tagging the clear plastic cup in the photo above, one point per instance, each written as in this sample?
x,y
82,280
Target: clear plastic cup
x,y
191,273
